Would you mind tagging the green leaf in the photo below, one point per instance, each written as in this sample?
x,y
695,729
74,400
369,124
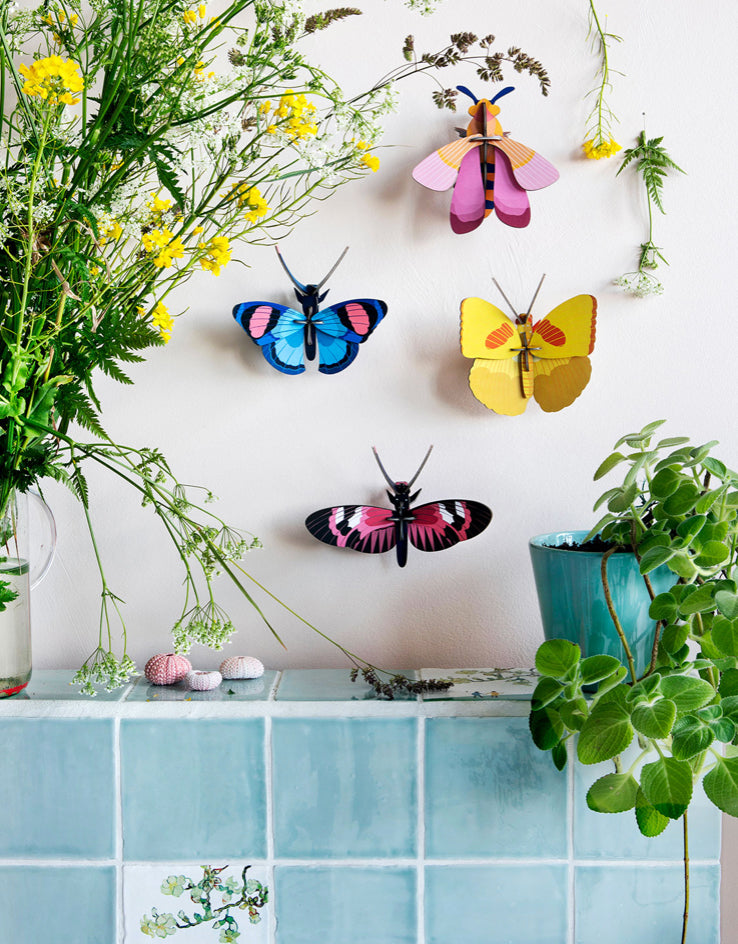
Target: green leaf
x,y
724,730
721,785
729,706
665,483
613,793
728,684
712,553
611,683
556,657
655,557
682,501
706,501
574,714
681,564
715,467
559,755
654,720
674,636
688,694
667,786
725,635
691,737
614,459
691,527
546,691
644,690
700,601
546,728
727,603
623,500
605,733
596,668
650,822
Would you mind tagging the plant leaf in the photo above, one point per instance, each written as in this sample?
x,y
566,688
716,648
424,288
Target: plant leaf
x,y
613,793
667,785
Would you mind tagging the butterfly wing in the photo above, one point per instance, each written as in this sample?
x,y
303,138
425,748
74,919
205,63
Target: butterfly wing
x,y
438,171
364,528
341,328
278,330
510,201
531,171
568,330
486,331
441,524
559,381
468,200
497,384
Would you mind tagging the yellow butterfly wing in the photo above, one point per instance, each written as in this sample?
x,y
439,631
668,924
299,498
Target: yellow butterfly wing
x,y
568,330
559,381
496,384
486,331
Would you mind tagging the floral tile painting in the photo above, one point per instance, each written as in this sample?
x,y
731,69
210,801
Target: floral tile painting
x,y
475,684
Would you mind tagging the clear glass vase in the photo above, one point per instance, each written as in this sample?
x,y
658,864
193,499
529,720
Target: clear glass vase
x,y
27,544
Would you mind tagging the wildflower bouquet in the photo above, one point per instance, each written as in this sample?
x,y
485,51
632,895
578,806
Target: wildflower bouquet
x,y
140,140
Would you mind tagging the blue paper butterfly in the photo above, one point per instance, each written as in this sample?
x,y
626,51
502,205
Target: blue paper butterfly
x,y
288,337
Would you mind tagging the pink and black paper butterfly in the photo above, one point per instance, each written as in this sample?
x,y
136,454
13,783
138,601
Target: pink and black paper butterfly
x,y
490,171
371,530
288,337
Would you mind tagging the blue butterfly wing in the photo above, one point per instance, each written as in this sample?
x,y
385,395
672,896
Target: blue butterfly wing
x,y
341,328
278,330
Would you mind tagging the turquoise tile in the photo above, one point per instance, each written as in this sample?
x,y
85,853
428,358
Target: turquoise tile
x,y
648,902
490,791
70,905
524,904
329,685
616,835
345,905
56,684
57,789
229,690
193,789
344,787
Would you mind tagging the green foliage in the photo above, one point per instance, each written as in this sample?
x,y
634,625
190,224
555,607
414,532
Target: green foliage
x,y
676,509
8,593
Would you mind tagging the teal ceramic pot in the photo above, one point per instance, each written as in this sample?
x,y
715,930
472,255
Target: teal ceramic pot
x,y
572,599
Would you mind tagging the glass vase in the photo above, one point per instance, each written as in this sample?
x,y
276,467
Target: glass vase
x,y
27,544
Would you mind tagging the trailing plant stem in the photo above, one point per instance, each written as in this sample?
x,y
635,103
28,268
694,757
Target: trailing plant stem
x,y
685,916
613,613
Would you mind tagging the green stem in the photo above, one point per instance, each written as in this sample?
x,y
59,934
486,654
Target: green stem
x,y
613,614
685,916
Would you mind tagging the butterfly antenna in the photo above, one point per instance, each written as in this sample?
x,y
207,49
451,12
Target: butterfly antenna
x,y
338,263
299,285
420,469
535,296
505,91
465,90
499,289
384,471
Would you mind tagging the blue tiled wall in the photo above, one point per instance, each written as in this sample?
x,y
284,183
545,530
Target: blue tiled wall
x,y
371,823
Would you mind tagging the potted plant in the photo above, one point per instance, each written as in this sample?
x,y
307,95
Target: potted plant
x,y
677,507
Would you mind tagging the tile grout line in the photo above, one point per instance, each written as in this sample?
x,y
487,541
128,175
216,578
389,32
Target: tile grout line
x,y
420,839
570,868
118,779
269,814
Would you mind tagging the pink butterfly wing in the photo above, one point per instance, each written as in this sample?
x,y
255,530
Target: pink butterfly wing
x,y
438,171
511,201
468,200
530,169
441,524
364,528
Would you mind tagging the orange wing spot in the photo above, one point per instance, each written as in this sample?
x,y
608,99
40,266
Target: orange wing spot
x,y
550,333
499,336
594,324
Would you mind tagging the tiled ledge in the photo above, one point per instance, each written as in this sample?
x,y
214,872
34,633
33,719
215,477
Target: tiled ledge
x,y
294,692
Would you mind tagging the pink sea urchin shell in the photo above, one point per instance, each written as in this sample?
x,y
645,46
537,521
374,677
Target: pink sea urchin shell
x,y
241,667
203,681
166,668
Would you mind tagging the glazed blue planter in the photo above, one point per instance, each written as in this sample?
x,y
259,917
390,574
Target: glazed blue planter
x,y
572,599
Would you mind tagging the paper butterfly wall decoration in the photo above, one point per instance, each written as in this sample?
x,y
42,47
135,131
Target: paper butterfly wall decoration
x,y
372,530
491,171
287,337
515,359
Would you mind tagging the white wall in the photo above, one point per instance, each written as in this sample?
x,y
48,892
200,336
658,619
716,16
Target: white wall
x,y
275,448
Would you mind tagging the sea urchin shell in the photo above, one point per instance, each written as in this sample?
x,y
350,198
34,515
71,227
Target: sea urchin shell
x,y
166,668
241,667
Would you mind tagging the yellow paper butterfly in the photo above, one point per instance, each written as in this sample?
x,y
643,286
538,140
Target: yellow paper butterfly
x,y
517,359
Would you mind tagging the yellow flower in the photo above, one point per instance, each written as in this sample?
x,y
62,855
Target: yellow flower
x,y
53,79
201,11
157,205
111,230
371,161
271,129
161,319
217,254
603,149
265,107
198,229
189,17
170,247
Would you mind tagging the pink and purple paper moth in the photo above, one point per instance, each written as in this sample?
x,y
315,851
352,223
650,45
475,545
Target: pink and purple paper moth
x,y
491,172
288,338
373,530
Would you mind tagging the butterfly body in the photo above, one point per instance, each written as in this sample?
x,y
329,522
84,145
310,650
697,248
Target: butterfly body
x,y
288,337
517,360
490,172
370,529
